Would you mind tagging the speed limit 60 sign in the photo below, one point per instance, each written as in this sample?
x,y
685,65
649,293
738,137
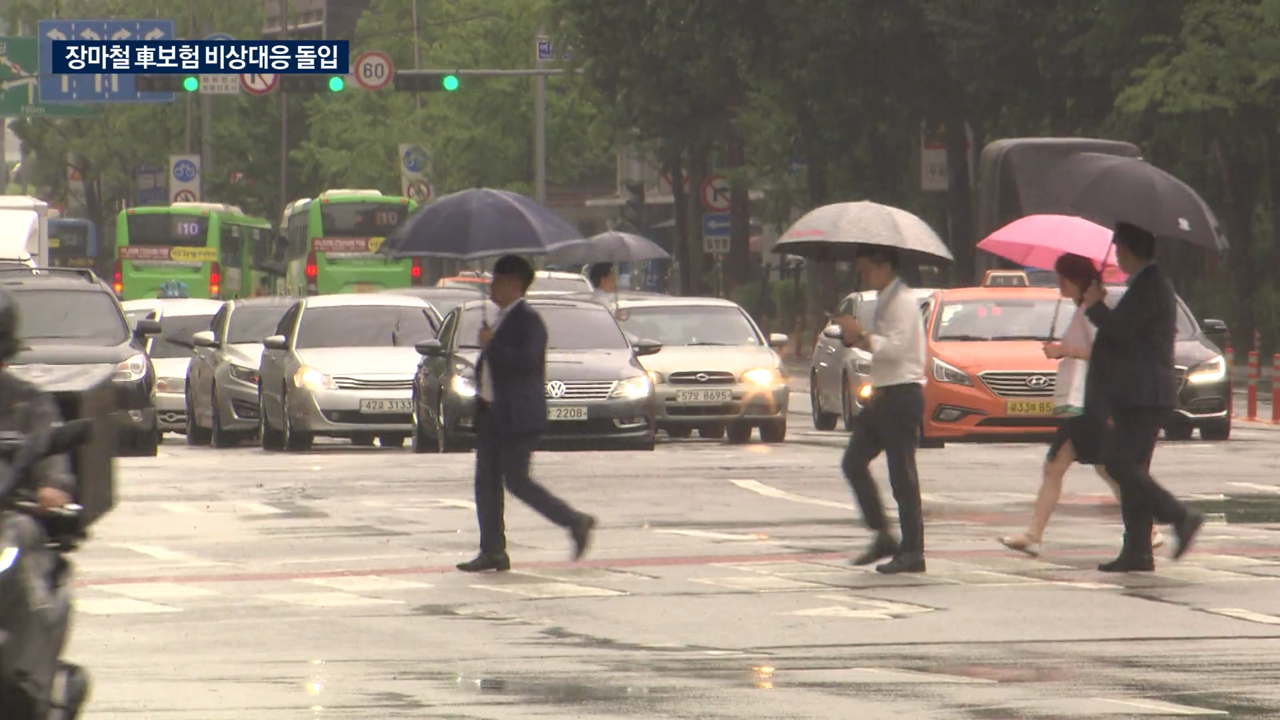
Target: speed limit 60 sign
x,y
374,70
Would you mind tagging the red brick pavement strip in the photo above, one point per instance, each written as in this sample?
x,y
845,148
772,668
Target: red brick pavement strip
x,y
1090,554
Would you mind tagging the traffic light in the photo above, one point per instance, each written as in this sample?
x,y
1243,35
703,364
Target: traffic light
x,y
417,81
312,83
168,83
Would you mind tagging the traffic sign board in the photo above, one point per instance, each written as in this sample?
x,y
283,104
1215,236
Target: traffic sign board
x,y
259,83
221,84
715,194
667,186
20,81
715,245
546,50
184,196
715,225
98,88
185,171
415,159
374,70
421,191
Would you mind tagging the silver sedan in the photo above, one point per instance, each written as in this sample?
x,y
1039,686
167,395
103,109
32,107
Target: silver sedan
x,y
222,381
342,366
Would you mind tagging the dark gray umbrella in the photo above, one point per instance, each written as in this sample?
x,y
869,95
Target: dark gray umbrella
x,y
611,247
481,223
1109,189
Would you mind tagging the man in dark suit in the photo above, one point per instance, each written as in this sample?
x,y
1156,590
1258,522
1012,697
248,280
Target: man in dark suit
x,y
1131,371
511,413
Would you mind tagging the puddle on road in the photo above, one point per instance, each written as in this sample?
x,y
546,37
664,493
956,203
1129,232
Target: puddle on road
x,y
1240,509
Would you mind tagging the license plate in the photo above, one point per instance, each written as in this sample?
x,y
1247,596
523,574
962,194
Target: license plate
x,y
557,412
1029,407
386,406
364,288
704,396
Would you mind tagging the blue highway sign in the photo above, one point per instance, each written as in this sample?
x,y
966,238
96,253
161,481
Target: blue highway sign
x,y
223,37
185,171
415,159
97,88
715,225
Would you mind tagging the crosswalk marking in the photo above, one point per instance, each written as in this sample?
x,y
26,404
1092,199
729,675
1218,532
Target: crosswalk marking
x,y
330,599
773,492
753,537
1249,615
544,591
366,583
761,583
1159,707
120,606
158,591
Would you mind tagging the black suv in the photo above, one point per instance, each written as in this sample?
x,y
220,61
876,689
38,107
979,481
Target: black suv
x,y
71,324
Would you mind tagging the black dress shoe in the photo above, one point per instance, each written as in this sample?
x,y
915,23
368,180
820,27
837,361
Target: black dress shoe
x,y
1186,531
1129,563
483,562
902,564
882,547
581,531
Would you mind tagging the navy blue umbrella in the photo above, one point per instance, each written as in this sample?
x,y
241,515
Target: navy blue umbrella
x,y
480,223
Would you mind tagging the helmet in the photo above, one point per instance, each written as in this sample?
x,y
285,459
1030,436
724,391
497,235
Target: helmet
x,y
10,343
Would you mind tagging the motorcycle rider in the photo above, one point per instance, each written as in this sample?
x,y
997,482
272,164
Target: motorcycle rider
x,y
31,654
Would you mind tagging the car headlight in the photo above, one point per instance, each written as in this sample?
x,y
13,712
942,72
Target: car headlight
x,y
131,370
862,367
171,385
947,373
762,377
463,386
634,388
656,377
8,557
1208,372
312,379
243,373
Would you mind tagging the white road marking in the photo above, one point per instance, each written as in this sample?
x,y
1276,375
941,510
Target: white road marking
x,y
164,553
876,676
257,508
1164,708
881,606
762,583
1248,615
368,583
330,599
546,591
1192,574
1256,486
120,606
179,508
1088,585
756,537
773,492
156,591
841,611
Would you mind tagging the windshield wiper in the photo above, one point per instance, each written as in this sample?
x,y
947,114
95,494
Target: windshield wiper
x,y
1041,338
962,338
706,344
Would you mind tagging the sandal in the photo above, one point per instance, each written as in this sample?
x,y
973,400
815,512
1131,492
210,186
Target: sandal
x,y
1157,540
1022,544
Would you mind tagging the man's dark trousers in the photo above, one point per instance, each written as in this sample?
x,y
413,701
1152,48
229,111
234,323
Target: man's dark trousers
x,y
503,458
1127,451
889,424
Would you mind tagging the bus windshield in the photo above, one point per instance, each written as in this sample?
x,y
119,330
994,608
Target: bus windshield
x,y
361,219
168,230
69,245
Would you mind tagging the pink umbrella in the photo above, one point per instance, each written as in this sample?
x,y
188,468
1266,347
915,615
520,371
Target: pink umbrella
x,y
1037,241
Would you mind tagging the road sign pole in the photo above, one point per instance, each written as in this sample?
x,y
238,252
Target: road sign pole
x,y
540,130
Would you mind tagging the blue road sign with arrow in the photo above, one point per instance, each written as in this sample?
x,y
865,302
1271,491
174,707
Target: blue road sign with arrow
x,y
98,88
715,225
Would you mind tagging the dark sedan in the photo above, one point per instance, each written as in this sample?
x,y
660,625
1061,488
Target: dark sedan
x,y
597,392
1204,383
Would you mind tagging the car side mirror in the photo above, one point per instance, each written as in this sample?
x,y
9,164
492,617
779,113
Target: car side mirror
x,y
430,348
1213,326
778,340
833,331
146,328
205,339
276,342
645,347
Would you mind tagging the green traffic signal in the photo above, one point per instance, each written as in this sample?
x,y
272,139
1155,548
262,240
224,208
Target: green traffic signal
x,y
450,82
336,84
191,84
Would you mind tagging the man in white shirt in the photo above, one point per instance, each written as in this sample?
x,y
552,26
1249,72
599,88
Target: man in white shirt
x,y
890,423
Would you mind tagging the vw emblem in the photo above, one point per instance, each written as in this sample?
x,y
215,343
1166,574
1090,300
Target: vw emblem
x,y
555,389
1037,381
702,377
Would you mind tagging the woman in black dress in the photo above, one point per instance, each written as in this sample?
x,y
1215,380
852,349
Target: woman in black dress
x,y
1079,437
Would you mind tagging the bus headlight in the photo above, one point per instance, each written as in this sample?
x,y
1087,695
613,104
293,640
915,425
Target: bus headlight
x,y
634,388
463,386
131,370
1208,372
312,379
762,377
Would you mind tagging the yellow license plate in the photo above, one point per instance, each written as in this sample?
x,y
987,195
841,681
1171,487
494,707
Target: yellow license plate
x,y
365,288
1029,407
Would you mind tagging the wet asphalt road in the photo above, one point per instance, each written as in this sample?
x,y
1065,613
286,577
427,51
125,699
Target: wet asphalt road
x,y
238,584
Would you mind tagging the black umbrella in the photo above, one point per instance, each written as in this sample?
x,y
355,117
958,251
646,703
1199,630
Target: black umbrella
x,y
611,247
1110,189
481,223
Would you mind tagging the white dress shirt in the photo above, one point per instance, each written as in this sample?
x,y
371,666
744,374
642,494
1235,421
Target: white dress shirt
x,y
897,341
486,377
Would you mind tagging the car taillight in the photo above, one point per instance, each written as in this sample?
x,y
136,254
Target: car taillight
x,y
215,280
117,282
415,273
313,270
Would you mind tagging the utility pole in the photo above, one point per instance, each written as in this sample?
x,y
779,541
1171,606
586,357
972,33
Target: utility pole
x,y
284,120
206,130
191,33
417,50
539,130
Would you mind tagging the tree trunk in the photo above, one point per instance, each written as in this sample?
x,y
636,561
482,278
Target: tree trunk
x,y
699,169
739,269
1241,191
959,195
674,167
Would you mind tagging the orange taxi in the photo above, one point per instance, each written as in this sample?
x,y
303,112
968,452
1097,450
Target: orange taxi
x,y
988,377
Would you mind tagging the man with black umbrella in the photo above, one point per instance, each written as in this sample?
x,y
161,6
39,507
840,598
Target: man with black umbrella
x,y
511,413
1131,371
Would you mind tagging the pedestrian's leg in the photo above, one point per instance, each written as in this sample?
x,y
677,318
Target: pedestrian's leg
x,y
1055,469
900,431
490,502
864,446
516,454
1125,452
1157,540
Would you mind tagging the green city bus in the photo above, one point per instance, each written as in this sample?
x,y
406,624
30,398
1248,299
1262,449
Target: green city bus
x,y
333,243
188,249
